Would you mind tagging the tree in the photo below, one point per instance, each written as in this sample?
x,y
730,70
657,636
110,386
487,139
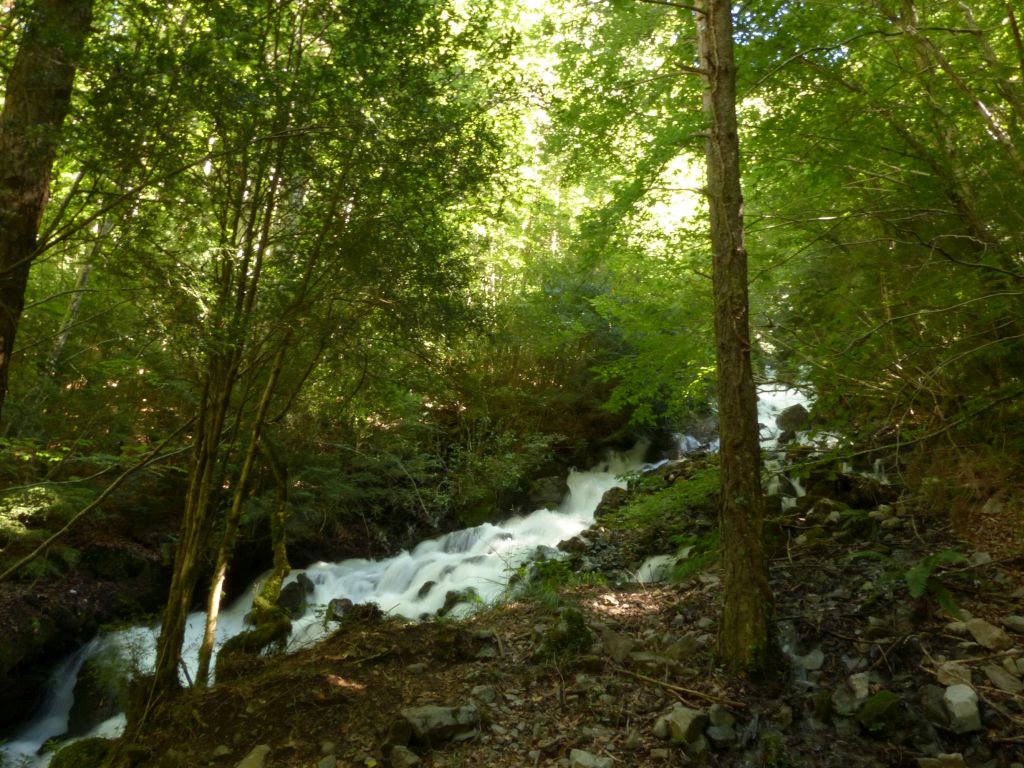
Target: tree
x,y
36,101
744,637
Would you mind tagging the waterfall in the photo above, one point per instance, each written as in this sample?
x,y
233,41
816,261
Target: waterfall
x,y
412,584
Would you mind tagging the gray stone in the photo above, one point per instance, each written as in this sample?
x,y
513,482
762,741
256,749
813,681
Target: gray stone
x,y
660,754
1010,665
681,725
721,735
988,635
962,707
933,704
432,724
683,648
256,758
953,672
1001,679
1013,623
617,645
981,558
403,757
580,758
719,715
330,761
957,628
484,693
860,685
955,760
813,661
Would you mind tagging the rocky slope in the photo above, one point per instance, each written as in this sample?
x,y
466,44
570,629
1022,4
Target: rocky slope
x,y
900,645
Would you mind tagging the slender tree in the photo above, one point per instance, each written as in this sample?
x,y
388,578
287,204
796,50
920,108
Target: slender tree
x,y
36,101
744,636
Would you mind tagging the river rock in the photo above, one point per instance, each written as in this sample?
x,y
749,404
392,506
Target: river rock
x,y
988,635
337,608
432,724
256,758
792,419
962,707
547,492
580,758
612,501
1002,679
293,597
681,725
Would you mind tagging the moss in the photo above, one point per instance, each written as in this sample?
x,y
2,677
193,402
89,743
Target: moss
x,y
672,507
879,712
570,636
272,632
87,753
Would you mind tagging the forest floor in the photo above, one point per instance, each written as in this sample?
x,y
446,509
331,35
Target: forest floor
x,y
864,672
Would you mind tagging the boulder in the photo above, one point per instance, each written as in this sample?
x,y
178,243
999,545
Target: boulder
x,y
454,597
82,754
681,725
547,492
337,608
433,724
612,501
962,707
96,694
293,597
792,419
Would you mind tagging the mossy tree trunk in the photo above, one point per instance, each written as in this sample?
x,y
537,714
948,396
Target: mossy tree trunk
x,y
744,636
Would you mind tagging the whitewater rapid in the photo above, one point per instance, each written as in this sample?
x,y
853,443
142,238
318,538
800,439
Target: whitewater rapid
x,y
412,584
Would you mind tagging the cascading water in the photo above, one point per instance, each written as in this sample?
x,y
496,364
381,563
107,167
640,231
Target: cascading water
x,y
412,584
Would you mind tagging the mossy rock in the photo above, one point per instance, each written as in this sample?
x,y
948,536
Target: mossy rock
x,y
87,753
243,647
570,636
879,713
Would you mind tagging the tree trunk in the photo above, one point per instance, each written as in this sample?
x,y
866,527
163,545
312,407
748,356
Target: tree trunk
x,y
36,101
744,637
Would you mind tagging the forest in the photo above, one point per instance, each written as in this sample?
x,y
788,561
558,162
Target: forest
x,y
294,282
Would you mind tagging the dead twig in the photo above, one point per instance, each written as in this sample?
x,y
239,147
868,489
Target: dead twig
x,y
681,689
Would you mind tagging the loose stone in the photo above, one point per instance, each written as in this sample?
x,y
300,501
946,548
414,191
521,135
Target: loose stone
x,y
962,706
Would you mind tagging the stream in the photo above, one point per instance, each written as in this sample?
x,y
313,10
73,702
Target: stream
x,y
413,584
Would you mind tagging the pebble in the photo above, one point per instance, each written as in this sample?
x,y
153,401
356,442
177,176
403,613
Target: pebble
x,y
403,757
330,761
580,758
953,672
962,706
813,661
989,635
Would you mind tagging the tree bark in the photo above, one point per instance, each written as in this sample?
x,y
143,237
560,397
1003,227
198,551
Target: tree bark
x,y
744,637
36,101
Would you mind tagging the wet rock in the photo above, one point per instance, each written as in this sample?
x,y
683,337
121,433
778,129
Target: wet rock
x,y
337,608
425,588
1001,679
293,597
580,758
1013,623
433,724
681,725
962,707
257,758
454,597
403,757
792,419
988,635
95,696
612,501
547,492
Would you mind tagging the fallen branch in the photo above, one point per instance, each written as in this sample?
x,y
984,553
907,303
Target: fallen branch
x,y
681,689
